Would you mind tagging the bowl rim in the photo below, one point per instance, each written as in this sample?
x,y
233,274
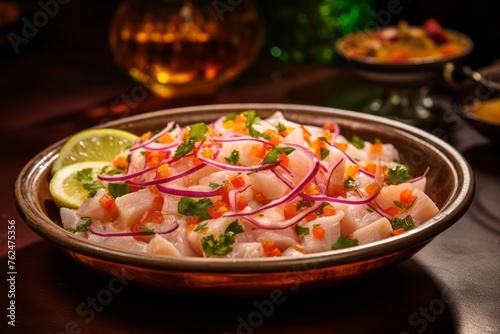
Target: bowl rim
x,y
414,63
452,210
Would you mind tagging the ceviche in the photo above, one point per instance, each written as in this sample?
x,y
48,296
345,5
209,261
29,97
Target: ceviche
x,y
246,187
404,42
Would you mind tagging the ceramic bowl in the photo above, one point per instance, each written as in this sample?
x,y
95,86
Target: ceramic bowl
x,y
450,184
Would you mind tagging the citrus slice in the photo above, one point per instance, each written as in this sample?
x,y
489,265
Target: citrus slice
x,y
93,145
67,190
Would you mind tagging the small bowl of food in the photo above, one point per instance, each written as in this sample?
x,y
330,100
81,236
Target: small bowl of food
x,y
244,198
479,100
407,61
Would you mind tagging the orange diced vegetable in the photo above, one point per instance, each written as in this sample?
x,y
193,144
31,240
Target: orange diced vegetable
x,y
341,146
398,231
238,182
372,188
283,159
290,210
241,203
120,163
406,197
391,211
376,148
145,136
352,171
312,216
107,202
163,171
270,248
258,151
166,139
311,189
318,232
328,210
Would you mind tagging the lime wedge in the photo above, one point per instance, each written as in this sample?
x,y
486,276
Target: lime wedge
x,y
66,190
93,145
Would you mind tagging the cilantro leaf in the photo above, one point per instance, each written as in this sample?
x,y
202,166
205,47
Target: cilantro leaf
x,y
200,227
403,206
350,183
357,142
233,158
406,223
399,174
198,131
344,242
301,231
280,127
222,245
323,152
252,117
215,185
185,147
273,155
86,178
196,208
81,227
118,189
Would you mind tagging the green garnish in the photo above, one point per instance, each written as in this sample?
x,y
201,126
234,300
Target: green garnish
x,y
118,189
86,178
233,158
403,206
200,227
252,117
273,155
146,229
304,204
350,183
406,223
185,147
357,142
399,174
344,242
195,208
323,152
281,127
197,132
222,245
301,231
81,227
215,185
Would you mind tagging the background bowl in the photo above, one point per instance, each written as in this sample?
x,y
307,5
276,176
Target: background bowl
x,y
474,92
450,184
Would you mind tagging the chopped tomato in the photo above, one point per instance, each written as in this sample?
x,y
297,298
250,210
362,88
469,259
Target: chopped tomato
x,y
398,231
306,134
372,188
241,202
328,210
329,126
258,151
145,136
283,159
337,190
406,197
120,163
223,192
238,182
163,171
275,140
318,232
311,189
270,248
151,217
193,220
352,171
391,211
341,146
155,158
107,202
290,210
166,139
260,197
376,148
312,216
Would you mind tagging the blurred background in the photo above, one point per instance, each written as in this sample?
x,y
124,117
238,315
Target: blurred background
x,y
67,65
